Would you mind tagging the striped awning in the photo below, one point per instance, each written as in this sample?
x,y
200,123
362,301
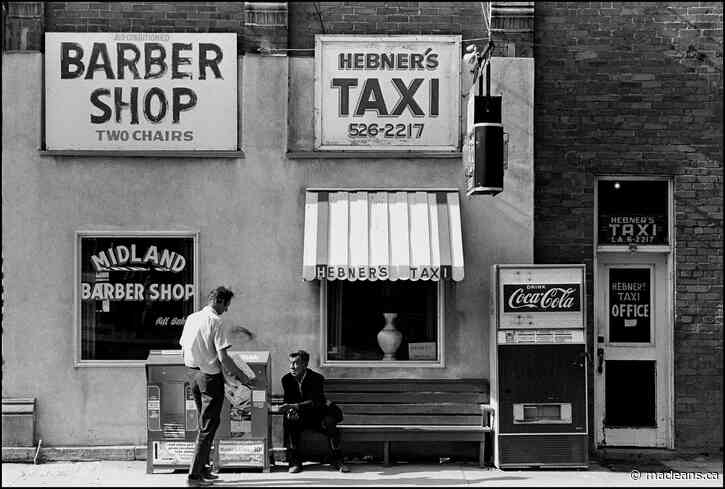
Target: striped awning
x,y
382,235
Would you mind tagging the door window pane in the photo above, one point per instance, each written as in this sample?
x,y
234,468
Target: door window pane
x,y
629,305
630,394
632,212
355,317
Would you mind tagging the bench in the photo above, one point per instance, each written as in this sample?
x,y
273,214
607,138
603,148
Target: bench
x,y
404,410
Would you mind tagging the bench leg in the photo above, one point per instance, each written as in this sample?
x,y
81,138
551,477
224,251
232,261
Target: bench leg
x,y
386,452
482,452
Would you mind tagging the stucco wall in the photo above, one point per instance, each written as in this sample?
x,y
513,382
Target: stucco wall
x,y
250,215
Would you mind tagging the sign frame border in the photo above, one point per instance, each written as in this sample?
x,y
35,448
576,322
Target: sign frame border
x,y
318,144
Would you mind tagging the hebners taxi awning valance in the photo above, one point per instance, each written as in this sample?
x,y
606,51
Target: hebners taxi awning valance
x,y
382,235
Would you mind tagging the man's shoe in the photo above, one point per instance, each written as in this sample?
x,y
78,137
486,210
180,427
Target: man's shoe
x,y
341,467
295,469
198,482
209,476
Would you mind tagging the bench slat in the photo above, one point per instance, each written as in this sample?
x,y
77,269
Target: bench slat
x,y
423,408
401,428
370,385
408,419
405,397
351,436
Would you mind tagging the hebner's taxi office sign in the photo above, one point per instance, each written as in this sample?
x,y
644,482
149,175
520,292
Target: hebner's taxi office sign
x,y
140,91
387,93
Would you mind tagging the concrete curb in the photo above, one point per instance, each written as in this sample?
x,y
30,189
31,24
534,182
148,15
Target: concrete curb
x,y
648,454
75,454
138,452
91,453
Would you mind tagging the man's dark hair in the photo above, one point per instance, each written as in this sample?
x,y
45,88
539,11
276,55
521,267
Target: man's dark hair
x,y
302,354
220,295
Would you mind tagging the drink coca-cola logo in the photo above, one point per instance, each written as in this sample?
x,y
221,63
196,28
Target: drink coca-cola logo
x,y
541,298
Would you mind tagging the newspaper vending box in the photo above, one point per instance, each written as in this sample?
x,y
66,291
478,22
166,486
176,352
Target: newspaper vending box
x,y
246,430
243,437
538,369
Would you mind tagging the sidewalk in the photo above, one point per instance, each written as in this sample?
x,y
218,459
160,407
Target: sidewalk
x,y
693,473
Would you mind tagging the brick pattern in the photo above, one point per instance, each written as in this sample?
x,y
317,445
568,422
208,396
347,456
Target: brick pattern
x,y
309,18
148,17
22,25
636,88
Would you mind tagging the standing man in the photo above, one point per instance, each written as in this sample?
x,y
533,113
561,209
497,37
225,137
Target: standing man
x,y
204,342
305,407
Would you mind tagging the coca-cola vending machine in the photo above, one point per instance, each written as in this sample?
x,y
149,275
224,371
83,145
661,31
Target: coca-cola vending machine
x,y
538,368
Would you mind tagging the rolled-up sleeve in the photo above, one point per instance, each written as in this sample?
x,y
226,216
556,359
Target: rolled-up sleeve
x,y
221,338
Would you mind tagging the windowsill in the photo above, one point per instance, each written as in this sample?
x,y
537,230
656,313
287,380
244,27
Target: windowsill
x,y
638,249
378,364
109,363
363,154
145,154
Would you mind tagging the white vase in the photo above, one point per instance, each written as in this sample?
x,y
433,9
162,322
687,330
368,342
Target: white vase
x,y
389,338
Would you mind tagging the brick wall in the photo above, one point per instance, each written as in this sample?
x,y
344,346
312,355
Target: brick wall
x,y
309,18
636,87
140,17
22,25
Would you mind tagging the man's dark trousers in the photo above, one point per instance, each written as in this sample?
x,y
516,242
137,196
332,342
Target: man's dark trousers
x,y
326,425
208,392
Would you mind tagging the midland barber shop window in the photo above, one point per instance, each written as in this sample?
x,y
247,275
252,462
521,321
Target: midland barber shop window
x,y
632,212
366,318
133,293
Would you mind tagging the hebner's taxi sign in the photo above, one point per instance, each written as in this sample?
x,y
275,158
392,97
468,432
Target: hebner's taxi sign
x,y
140,91
387,93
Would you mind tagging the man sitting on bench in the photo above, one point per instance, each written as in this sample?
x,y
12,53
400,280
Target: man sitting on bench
x,y
305,407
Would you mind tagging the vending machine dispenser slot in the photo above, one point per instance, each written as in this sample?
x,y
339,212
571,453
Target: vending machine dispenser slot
x,y
559,413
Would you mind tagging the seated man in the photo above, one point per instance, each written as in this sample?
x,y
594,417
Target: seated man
x,y
305,407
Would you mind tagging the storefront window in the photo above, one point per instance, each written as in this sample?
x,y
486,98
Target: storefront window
x,y
355,317
633,212
134,293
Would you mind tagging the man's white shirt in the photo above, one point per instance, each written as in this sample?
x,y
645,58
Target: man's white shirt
x,y
203,336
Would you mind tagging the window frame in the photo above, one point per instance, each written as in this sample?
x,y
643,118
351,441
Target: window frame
x,y
439,362
659,248
79,235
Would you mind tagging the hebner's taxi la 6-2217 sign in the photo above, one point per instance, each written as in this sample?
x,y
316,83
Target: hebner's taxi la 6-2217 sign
x,y
140,91
387,93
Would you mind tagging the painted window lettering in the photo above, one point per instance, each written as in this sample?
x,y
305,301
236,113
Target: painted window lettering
x,y
125,258
136,292
632,229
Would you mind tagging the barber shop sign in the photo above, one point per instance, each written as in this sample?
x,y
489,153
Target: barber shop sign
x,y
140,91
387,93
